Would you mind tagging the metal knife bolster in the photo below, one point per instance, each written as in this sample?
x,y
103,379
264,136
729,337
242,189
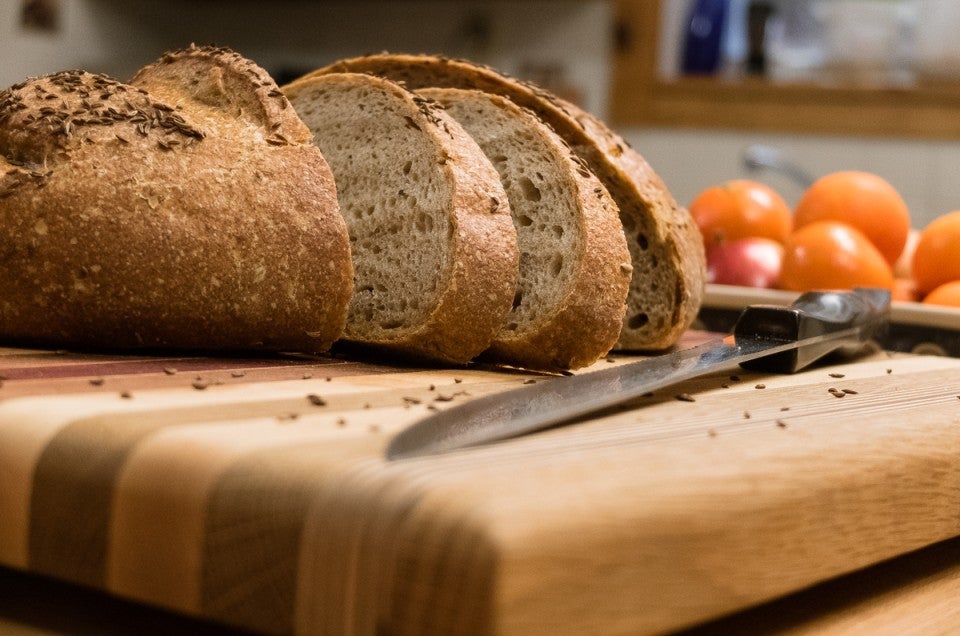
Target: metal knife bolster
x,y
768,338
863,312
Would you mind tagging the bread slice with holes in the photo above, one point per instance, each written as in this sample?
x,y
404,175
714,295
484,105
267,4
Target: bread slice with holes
x,y
434,248
187,209
574,263
665,245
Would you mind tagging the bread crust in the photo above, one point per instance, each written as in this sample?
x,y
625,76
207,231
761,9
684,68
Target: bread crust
x,y
133,221
477,285
668,257
585,324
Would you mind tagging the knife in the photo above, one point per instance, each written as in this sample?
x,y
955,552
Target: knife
x,y
767,338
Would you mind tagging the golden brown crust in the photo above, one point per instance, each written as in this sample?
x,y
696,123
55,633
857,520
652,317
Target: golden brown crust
x,y
132,222
668,260
585,324
477,287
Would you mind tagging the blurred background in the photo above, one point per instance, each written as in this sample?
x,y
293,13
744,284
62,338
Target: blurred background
x,y
706,90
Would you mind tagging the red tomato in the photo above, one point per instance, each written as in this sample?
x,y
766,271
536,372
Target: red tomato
x,y
751,262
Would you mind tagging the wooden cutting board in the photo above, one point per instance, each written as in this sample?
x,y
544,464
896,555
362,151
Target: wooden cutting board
x,y
254,492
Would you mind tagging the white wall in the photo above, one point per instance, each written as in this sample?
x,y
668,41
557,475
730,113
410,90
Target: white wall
x,y
119,36
926,173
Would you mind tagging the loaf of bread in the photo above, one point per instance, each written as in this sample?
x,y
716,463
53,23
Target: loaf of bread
x,y
666,249
574,264
434,248
186,210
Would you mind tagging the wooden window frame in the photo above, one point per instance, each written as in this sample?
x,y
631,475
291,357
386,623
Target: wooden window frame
x,y
640,97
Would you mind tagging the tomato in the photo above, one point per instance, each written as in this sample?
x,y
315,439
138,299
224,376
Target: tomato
x,y
751,262
863,200
904,289
936,258
741,209
832,255
903,268
947,294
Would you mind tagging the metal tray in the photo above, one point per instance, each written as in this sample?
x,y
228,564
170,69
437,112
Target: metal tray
x,y
914,327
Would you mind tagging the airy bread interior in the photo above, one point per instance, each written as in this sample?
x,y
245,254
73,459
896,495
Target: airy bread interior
x,y
433,246
667,251
393,198
542,200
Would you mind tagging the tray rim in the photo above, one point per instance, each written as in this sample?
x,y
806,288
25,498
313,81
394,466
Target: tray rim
x,y
901,312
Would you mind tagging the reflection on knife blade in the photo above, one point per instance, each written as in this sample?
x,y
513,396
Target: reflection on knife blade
x,y
772,338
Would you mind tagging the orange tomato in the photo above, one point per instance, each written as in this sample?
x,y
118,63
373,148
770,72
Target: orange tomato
x,y
863,200
947,294
904,289
832,255
741,209
936,258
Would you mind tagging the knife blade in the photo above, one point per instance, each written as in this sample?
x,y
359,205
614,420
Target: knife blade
x,y
769,338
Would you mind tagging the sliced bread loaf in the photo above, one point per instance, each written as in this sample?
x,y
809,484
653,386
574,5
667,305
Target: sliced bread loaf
x,y
186,210
434,248
665,245
574,264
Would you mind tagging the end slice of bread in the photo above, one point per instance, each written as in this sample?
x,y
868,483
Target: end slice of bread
x,y
136,216
434,249
669,268
574,263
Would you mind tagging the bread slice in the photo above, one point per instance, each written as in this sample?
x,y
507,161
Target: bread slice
x,y
665,245
434,248
574,264
186,210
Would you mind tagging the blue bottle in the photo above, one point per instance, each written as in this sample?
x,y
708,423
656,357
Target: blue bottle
x,y
702,50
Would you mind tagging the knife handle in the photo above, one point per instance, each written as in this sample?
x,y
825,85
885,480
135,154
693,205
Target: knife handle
x,y
864,310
